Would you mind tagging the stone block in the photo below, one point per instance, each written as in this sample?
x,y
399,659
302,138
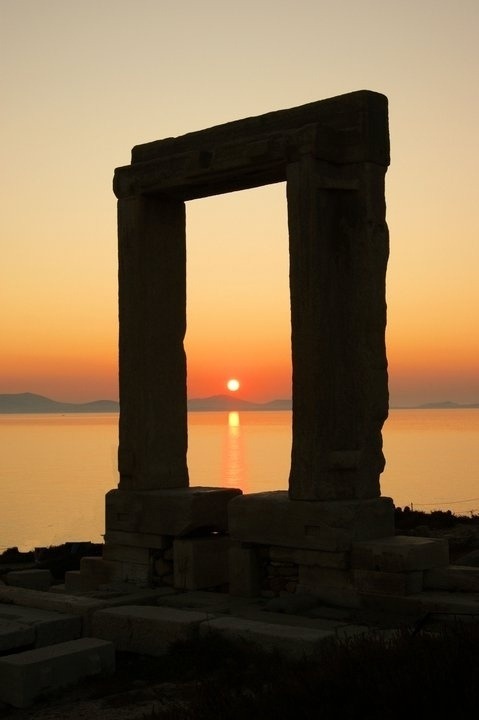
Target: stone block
x,y
339,560
28,675
138,539
330,585
93,572
78,582
162,567
200,562
244,571
33,579
138,573
126,553
173,512
332,577
454,578
388,583
202,601
289,640
271,518
14,635
400,553
47,627
146,630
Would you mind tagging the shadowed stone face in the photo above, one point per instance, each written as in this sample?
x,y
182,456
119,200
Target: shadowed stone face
x,y
333,155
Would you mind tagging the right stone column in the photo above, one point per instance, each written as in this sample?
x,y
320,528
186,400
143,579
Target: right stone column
x,y
338,255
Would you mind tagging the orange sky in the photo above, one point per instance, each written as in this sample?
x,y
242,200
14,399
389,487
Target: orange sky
x,y
83,83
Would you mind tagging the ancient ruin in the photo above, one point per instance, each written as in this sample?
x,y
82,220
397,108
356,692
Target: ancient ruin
x,y
272,564
333,156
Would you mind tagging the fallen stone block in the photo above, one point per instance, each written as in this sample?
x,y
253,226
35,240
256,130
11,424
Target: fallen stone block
x,y
400,553
93,572
201,562
211,603
388,583
29,675
454,578
15,635
146,630
98,568
470,559
290,641
33,579
48,627
78,605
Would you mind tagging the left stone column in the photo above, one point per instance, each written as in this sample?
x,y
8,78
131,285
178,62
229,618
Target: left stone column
x,y
152,361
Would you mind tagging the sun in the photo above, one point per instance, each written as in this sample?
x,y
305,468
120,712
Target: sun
x,y
233,385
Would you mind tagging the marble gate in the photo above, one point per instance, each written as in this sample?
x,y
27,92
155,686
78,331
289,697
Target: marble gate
x,y
333,155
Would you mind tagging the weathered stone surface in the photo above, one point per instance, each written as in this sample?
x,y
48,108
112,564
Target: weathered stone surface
x,y
137,539
313,575
146,630
340,560
27,675
14,635
93,572
152,313
70,604
454,578
273,519
201,562
254,151
126,553
33,579
338,255
399,553
289,640
169,512
48,627
388,583
244,571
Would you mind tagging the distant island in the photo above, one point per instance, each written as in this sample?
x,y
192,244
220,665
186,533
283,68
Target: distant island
x,y
30,403
17,403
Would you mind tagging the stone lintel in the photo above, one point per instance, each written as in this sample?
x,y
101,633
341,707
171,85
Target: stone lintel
x,y
271,518
173,512
254,151
341,112
400,553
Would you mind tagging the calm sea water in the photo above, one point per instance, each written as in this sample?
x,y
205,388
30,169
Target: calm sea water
x,y
56,469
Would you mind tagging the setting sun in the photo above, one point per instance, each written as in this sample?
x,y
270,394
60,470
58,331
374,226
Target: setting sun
x,y
233,385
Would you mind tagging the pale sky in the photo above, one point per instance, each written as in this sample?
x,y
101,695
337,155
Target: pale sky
x,y
83,82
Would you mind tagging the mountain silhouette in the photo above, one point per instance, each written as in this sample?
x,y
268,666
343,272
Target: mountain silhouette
x,y
32,403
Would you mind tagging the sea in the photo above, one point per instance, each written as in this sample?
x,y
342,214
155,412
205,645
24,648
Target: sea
x,y
55,469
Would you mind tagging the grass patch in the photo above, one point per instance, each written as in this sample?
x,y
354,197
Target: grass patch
x,y
371,677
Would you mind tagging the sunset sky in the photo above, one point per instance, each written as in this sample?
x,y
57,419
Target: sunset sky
x,y
82,82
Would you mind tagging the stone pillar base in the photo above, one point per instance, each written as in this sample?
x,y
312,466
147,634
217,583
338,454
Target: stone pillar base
x,y
175,512
271,518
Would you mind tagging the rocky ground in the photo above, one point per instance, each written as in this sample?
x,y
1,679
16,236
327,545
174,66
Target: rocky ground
x,y
171,688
